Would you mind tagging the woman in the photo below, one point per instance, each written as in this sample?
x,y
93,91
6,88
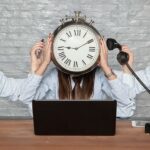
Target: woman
x,y
99,84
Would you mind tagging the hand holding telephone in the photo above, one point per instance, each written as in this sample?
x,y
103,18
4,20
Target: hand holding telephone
x,y
123,59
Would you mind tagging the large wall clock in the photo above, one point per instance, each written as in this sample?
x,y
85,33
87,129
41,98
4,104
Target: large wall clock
x,y
76,46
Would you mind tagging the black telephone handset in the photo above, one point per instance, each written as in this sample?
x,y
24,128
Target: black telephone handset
x,y
123,59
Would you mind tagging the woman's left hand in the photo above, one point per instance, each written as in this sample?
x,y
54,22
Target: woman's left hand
x,y
103,59
126,49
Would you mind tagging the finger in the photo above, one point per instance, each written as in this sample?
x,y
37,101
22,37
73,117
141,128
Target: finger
x,y
38,43
100,44
124,46
49,42
50,38
38,53
49,35
37,48
127,51
104,48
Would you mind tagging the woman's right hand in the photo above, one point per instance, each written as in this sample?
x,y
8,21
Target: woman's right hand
x,y
41,56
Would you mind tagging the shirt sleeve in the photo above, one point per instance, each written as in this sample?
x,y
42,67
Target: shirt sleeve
x,y
118,91
144,75
129,81
133,83
36,87
10,87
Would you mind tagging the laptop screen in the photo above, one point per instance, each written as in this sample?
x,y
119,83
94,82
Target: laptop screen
x,y
74,117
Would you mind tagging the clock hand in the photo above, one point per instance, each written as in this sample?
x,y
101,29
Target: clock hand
x,y
68,47
88,42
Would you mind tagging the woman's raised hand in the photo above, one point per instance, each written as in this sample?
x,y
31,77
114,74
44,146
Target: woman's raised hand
x,y
126,49
41,56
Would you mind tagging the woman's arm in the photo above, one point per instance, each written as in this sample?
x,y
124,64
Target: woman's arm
x,y
144,75
130,80
103,60
35,88
10,87
118,91
115,88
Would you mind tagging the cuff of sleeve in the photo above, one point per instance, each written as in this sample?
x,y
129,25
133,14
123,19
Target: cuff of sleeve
x,y
36,79
115,83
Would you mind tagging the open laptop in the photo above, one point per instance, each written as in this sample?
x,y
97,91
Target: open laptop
x,y
74,117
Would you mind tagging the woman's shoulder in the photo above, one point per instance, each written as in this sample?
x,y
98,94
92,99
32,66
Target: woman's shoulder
x,y
51,74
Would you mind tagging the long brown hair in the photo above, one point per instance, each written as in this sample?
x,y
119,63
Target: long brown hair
x,y
84,92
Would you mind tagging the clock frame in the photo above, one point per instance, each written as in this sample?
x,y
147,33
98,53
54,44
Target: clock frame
x,y
77,20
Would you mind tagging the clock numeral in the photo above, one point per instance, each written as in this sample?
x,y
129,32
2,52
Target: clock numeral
x,y
67,62
92,49
62,55
84,34
77,32
69,34
90,41
61,48
89,56
83,62
75,64
63,40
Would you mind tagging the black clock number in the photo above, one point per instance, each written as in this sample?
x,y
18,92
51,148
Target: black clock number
x,y
69,34
77,32
92,49
63,40
89,56
61,48
90,41
84,34
75,64
83,62
62,55
67,62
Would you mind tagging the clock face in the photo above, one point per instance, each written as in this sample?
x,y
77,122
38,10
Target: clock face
x,y
76,48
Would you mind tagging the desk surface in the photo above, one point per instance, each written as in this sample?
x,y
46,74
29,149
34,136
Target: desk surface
x,y
18,134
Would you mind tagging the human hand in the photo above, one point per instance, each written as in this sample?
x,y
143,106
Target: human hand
x,y
103,57
103,60
41,56
47,50
36,54
126,49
